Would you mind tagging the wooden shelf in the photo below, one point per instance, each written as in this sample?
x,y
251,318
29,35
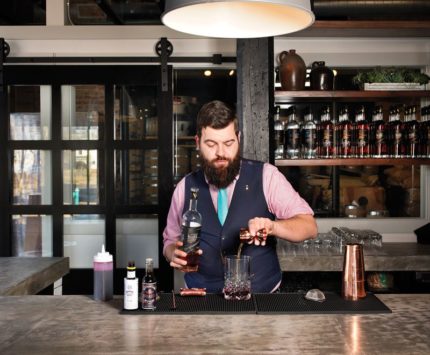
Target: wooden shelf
x,y
347,95
352,161
365,28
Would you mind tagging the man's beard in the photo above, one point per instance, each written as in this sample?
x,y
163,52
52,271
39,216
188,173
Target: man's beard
x,y
220,177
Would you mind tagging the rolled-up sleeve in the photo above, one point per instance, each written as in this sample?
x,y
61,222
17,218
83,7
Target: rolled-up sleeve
x,y
283,201
172,232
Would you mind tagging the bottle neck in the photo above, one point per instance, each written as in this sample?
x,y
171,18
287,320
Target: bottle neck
x,y
193,204
131,274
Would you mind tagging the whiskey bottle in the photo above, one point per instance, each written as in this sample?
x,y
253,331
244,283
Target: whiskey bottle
x,y
149,287
425,132
396,147
361,134
411,129
325,133
292,136
378,135
309,131
279,134
190,233
343,131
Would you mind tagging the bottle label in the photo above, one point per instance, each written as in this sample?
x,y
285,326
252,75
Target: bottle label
x,y
362,138
327,138
346,138
379,136
131,294
190,236
293,138
149,295
310,138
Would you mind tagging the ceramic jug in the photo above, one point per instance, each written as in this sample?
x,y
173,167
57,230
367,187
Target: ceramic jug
x,y
292,70
321,77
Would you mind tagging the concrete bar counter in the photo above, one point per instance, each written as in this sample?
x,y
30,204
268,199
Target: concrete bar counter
x,y
28,275
79,325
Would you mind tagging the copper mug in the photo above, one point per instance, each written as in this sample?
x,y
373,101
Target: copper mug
x,y
353,273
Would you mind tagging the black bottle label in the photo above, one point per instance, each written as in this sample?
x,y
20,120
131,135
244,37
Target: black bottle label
x,y
190,236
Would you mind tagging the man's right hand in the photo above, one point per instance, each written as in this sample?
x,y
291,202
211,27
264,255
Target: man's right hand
x,y
177,258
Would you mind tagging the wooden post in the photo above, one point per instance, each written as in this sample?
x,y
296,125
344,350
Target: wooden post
x,y
255,97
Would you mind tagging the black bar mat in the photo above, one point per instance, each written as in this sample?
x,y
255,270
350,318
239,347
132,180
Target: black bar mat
x,y
209,304
295,303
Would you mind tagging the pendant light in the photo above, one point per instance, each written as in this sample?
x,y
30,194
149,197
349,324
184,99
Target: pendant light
x,y
238,18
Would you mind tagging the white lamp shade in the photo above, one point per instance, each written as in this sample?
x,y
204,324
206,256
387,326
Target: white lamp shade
x,y
238,18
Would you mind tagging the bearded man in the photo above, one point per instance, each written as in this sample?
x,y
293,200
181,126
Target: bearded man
x,y
258,196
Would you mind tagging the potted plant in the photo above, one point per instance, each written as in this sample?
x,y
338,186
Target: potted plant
x,y
391,78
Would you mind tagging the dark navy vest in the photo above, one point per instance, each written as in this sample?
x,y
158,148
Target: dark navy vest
x,y
217,241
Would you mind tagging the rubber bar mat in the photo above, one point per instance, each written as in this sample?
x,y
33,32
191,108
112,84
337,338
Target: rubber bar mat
x,y
209,304
296,303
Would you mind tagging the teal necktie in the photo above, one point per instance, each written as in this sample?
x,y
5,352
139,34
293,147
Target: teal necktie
x,y
222,205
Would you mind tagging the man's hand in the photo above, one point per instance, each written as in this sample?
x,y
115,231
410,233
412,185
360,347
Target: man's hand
x,y
260,228
177,258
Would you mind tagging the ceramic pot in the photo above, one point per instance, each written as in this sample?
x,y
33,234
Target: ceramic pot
x,y
292,70
321,77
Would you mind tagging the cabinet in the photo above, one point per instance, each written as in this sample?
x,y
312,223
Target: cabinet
x,y
332,174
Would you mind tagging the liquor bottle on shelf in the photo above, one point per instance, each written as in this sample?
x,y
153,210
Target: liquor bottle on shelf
x,y
411,132
396,147
190,233
361,134
343,131
149,287
279,134
131,288
325,134
425,132
378,135
308,131
292,136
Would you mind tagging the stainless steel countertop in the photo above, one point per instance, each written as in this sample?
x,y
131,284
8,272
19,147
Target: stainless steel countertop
x,y
28,275
390,257
79,325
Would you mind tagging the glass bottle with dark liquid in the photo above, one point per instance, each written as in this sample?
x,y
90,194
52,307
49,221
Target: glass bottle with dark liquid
x,y
309,130
378,135
292,136
149,286
343,131
361,134
325,133
190,233
425,132
279,135
411,130
396,147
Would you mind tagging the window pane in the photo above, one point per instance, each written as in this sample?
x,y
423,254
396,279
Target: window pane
x,y
136,239
84,236
31,235
364,191
135,112
136,176
80,177
32,184
30,112
83,109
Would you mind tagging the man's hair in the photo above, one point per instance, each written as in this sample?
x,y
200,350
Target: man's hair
x,y
216,114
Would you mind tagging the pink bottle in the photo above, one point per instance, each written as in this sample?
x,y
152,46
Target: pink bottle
x,y
103,276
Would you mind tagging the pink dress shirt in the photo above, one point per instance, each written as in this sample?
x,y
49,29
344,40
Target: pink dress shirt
x,y
283,201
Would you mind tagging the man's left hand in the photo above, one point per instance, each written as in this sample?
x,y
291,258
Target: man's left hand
x,y
257,225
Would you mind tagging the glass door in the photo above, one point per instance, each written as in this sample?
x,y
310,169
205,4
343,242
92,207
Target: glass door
x,y
87,147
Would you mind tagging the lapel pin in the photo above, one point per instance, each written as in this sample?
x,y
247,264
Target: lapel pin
x,y
246,187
